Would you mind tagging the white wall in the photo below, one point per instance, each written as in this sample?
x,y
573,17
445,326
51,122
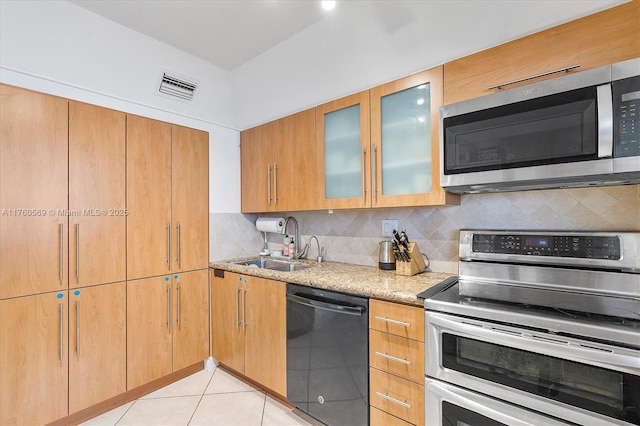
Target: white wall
x,y
329,59
58,48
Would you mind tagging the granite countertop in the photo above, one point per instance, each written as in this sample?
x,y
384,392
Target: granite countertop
x,y
361,280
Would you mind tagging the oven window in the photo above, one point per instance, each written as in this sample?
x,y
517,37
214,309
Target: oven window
x,y
454,415
552,129
596,389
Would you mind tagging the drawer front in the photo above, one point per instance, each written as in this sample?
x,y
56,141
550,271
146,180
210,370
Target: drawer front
x,y
394,318
380,418
397,396
397,355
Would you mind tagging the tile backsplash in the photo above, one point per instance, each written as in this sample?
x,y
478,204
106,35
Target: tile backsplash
x,y
352,236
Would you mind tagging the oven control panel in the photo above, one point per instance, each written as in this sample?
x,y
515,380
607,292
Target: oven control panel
x,y
576,246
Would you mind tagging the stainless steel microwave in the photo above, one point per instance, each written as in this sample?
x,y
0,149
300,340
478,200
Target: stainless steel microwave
x,y
580,129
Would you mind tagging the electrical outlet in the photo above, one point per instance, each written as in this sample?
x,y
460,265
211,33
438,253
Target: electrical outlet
x,y
388,225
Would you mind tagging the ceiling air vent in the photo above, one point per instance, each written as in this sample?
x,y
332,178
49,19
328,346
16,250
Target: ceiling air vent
x,y
177,87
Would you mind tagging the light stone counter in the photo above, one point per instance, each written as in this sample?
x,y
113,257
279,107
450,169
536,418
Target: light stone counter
x,y
361,280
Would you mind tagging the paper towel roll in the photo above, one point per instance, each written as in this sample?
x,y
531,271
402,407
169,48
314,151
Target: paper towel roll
x,y
270,224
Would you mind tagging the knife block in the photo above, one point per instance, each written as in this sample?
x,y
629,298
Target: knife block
x,y
416,265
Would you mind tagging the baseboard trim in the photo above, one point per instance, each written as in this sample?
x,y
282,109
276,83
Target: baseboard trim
x,y
128,396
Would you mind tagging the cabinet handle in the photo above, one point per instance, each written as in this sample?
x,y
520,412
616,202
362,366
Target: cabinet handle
x,y
395,401
179,325
169,307
531,77
392,321
269,184
364,190
169,246
275,184
61,332
237,309
77,252
374,173
178,228
244,322
61,270
77,327
393,358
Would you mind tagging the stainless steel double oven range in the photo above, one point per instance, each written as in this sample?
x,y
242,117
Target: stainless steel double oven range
x,y
541,328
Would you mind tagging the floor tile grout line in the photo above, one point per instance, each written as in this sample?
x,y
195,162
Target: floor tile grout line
x,y
202,396
264,407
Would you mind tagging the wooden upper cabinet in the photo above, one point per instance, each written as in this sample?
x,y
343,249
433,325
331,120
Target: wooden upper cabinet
x,y
257,161
148,197
189,199
405,142
96,195
278,169
33,192
295,183
34,359
343,153
595,40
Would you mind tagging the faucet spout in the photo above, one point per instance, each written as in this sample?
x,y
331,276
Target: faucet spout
x,y
320,252
296,231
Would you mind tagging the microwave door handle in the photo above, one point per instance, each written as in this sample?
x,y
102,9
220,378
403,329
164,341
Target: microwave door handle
x,y
605,121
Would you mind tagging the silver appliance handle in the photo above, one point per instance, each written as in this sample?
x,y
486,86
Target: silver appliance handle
x,y
585,352
77,252
61,332
61,270
269,184
244,300
237,308
169,307
605,120
178,229
531,77
178,309
275,183
169,246
437,392
77,327
374,173
334,306
362,179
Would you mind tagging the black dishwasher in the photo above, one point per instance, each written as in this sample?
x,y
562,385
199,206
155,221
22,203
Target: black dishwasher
x,y
328,354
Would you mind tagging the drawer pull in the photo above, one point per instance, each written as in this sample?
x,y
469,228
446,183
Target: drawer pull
x,y
393,358
395,401
392,321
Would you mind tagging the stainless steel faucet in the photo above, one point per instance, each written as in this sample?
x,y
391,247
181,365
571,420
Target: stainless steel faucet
x,y
296,255
320,251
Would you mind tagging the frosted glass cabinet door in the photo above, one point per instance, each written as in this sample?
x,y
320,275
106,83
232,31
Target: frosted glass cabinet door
x,y
406,141
343,138
342,154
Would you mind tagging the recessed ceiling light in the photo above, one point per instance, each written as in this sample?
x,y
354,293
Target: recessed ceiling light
x,y
328,5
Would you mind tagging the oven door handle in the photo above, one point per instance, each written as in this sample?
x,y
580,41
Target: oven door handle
x,y
494,409
332,306
592,353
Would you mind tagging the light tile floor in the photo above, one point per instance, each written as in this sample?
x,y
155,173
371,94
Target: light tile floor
x,y
204,398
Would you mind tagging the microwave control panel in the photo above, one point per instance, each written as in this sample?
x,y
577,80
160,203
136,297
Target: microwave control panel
x,y
626,110
576,246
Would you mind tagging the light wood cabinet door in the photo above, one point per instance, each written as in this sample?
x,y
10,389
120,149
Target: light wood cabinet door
x,y
96,195
149,324
148,197
33,192
295,174
343,153
33,359
395,318
405,142
97,344
227,333
257,168
396,396
189,199
266,333
593,41
191,318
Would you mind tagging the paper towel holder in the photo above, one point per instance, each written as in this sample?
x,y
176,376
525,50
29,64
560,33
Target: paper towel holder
x,y
268,224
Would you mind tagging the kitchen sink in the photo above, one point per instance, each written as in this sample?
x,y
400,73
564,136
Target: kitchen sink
x,y
274,265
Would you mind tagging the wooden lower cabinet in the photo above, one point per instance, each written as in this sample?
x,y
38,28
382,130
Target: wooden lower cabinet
x,y
167,325
248,326
34,359
97,344
396,360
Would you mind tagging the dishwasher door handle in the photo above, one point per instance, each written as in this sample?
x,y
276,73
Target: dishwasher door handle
x,y
327,306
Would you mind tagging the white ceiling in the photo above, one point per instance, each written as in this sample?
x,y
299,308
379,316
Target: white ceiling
x,y
226,33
